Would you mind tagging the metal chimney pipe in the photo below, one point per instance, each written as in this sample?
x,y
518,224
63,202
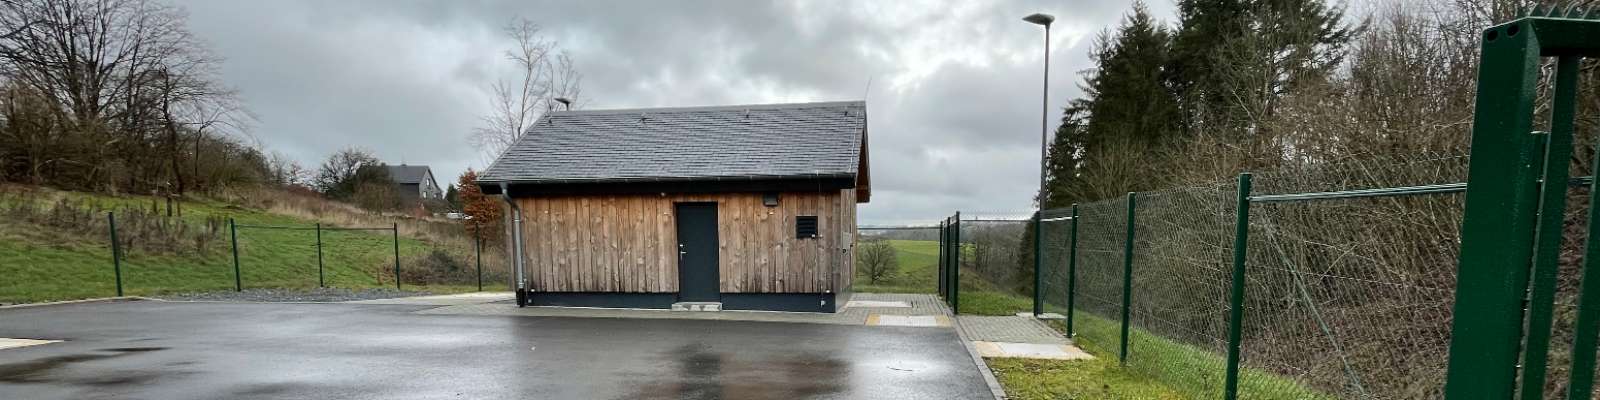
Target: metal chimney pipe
x,y
516,245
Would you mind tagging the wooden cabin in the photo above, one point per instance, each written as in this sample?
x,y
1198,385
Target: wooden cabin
x,y
747,207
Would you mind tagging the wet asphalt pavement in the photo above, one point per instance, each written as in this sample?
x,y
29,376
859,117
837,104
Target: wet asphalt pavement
x,y
172,350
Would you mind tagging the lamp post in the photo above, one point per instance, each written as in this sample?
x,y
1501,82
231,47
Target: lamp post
x,y
1044,143
1044,106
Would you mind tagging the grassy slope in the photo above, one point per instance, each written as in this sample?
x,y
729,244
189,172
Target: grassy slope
x,y
1100,378
42,265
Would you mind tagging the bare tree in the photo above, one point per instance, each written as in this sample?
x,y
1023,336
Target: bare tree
x,y
545,72
287,172
128,84
877,259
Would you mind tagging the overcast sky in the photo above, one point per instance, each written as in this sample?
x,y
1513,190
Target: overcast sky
x,y
953,103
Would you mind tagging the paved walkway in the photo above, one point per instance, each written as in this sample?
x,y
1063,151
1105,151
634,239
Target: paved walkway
x,y
1011,329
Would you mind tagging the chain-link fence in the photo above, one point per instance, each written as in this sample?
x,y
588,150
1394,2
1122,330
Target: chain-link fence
x,y
88,246
1347,291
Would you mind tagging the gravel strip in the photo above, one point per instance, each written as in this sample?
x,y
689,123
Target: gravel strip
x,y
294,295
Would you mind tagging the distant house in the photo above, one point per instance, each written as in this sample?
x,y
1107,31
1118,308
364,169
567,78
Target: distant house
x,y
414,183
736,207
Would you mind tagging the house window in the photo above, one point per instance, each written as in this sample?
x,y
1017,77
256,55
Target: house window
x,y
805,227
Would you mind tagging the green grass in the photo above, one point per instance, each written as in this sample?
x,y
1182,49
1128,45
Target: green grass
x,y
1194,371
1100,378
1158,367
918,273
40,263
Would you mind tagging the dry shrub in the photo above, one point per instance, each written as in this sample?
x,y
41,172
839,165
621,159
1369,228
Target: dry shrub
x,y
138,229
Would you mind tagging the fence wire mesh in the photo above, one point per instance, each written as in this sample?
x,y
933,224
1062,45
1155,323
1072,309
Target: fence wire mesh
x,y
996,264
1098,294
1182,267
143,246
1345,297
1352,297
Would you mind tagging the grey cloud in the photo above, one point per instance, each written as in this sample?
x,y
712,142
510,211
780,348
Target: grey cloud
x,y
954,101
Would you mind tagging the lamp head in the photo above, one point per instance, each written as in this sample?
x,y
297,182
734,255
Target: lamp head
x,y
1040,19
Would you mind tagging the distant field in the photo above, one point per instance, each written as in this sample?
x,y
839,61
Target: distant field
x,y
919,270
43,258
919,273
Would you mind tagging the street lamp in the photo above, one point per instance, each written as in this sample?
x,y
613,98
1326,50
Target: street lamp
x,y
1044,106
1044,142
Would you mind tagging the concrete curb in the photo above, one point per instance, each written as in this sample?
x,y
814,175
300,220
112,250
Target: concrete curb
x,y
995,389
94,300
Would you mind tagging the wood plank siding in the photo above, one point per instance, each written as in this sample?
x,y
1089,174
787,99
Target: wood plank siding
x,y
628,242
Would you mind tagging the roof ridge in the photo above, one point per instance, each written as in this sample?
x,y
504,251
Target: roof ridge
x,y
764,106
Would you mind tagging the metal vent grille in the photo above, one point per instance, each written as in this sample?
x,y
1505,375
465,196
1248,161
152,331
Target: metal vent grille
x,y
805,227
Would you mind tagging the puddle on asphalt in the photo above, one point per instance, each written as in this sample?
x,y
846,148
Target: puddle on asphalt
x,y
704,373
54,369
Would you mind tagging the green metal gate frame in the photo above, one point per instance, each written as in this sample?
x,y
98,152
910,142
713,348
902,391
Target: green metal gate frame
x,y
1512,226
950,262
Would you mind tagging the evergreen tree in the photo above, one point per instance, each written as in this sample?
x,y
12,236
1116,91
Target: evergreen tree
x,y
452,197
1062,163
1233,60
1204,27
1104,143
1130,101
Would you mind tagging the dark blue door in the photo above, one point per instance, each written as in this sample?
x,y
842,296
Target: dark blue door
x,y
697,252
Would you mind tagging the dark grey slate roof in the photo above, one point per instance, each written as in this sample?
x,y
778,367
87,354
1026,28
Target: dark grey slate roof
x,y
408,173
687,144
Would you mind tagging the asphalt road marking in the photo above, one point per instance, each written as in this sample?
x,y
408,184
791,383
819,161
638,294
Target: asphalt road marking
x,y
877,304
9,343
908,320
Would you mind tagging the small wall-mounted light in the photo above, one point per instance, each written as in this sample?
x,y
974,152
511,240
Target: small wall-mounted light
x,y
769,199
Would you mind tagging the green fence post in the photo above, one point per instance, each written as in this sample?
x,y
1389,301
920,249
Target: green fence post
x,y
1498,226
1072,271
1241,235
943,295
1547,236
949,262
321,280
477,237
1038,262
116,251
396,228
944,261
233,237
955,266
1127,280
1588,325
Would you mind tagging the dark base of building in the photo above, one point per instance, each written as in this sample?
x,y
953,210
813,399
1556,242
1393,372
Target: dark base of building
x,y
799,302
